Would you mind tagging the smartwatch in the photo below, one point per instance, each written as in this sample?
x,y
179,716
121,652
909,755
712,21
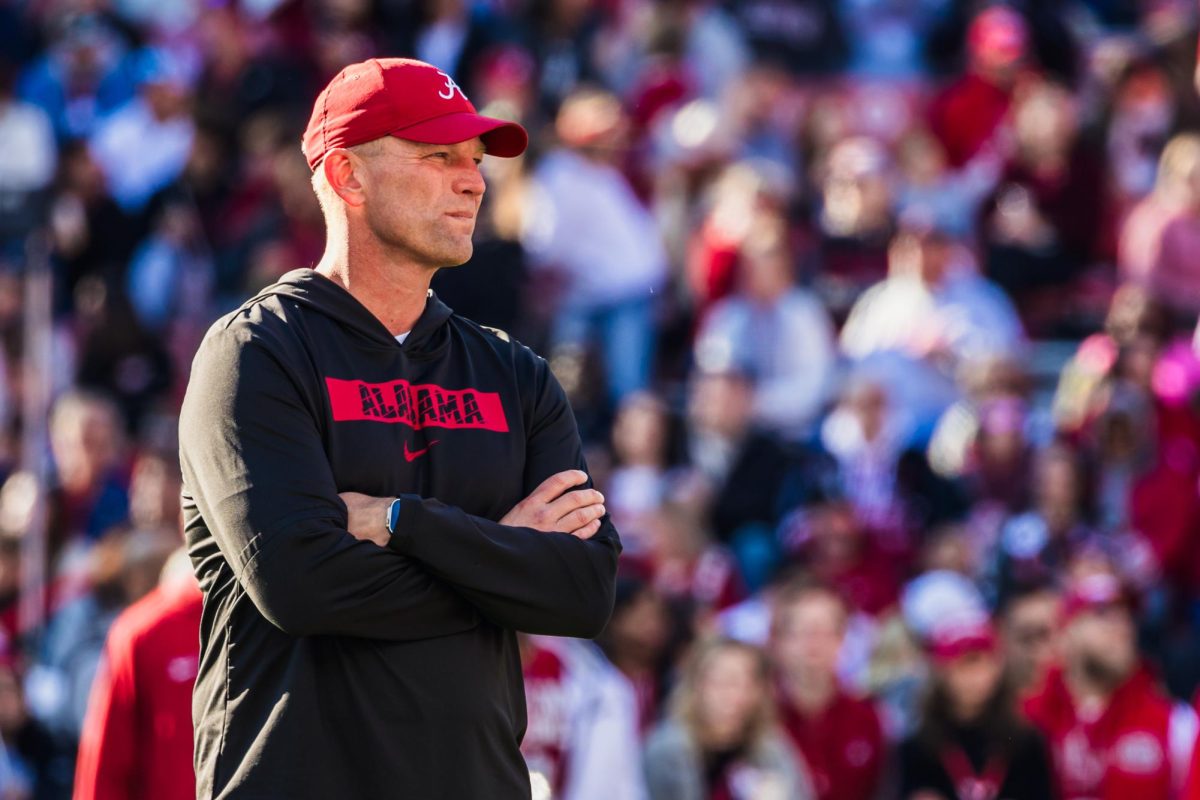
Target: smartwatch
x,y
393,516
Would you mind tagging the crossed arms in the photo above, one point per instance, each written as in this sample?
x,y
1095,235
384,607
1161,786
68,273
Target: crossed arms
x,y
315,562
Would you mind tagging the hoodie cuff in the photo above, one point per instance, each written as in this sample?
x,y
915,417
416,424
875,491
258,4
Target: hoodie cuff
x,y
406,523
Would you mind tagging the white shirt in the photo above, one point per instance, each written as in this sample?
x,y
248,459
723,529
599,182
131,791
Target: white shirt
x,y
789,345
400,337
584,219
140,154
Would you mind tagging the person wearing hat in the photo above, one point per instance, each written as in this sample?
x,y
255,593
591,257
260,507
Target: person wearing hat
x,y
971,743
379,494
1113,733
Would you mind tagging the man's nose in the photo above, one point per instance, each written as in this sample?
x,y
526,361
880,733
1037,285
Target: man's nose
x,y
471,181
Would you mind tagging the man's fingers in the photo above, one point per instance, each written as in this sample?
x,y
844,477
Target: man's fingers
x,y
572,501
555,485
587,531
581,517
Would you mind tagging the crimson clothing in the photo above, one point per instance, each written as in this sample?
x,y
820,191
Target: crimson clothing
x,y
1124,753
547,738
965,116
842,745
137,736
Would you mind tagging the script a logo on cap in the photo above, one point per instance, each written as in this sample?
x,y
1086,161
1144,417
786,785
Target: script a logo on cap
x,y
451,88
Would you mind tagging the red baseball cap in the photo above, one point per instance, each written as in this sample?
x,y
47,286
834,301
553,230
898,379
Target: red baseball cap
x,y
1092,593
405,98
953,639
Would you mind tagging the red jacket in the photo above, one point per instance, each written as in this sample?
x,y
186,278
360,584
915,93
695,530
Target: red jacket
x,y
842,746
137,736
1124,753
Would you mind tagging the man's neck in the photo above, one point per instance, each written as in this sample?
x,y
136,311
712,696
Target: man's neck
x,y
394,292
810,694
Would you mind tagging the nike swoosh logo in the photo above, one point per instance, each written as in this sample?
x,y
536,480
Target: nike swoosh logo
x,y
413,455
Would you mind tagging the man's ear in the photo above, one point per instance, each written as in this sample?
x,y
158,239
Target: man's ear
x,y
345,172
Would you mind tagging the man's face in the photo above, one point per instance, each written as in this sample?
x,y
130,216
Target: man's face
x,y
423,199
1102,642
1029,631
808,636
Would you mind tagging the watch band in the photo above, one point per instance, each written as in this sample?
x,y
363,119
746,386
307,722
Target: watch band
x,y
393,516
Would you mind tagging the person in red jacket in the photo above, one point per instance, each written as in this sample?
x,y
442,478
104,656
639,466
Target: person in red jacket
x,y
1113,733
839,735
966,116
137,735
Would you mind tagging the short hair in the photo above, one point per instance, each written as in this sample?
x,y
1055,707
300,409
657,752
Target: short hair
x,y
803,589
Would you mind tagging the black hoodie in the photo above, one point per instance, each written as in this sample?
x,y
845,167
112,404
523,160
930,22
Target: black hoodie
x,y
334,668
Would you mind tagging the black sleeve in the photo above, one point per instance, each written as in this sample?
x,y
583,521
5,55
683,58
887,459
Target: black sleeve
x,y
1031,769
253,463
920,771
521,578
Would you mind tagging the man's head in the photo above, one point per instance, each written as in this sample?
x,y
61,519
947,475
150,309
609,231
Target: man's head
x,y
395,148
807,631
1030,625
1099,640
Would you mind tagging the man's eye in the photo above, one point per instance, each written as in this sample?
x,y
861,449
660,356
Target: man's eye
x,y
440,154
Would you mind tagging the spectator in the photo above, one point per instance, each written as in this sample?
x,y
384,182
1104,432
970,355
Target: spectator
x,y
933,314
1040,226
155,125
609,265
581,740
1029,629
137,735
28,156
638,641
855,220
1036,545
1162,231
720,739
968,115
688,567
746,470
122,568
32,766
638,484
971,741
1111,730
776,332
86,441
839,735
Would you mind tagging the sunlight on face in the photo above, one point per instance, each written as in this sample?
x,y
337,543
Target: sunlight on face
x,y
422,200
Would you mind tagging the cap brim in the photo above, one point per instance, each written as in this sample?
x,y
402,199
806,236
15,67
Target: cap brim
x,y
501,137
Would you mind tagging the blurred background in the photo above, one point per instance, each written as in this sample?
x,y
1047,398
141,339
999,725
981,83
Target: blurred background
x,y
876,317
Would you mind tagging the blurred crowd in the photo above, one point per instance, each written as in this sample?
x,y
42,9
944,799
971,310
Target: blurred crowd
x,y
877,317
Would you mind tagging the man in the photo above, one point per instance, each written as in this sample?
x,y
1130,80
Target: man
x,y
137,735
839,735
931,316
354,459
1113,734
589,231
1029,625
776,330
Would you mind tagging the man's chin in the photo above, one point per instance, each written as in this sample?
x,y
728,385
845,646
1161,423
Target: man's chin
x,y
458,258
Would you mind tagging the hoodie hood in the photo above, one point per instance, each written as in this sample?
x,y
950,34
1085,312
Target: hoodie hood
x,y
308,287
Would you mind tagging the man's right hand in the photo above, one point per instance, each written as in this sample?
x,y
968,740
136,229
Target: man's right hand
x,y
551,507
